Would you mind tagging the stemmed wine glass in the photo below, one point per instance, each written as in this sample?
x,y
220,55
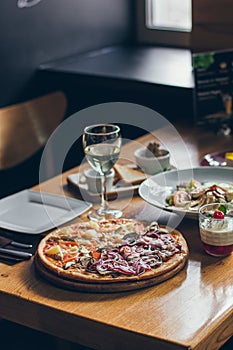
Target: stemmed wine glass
x,y
102,144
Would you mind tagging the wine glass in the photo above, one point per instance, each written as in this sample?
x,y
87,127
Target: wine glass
x,y
102,144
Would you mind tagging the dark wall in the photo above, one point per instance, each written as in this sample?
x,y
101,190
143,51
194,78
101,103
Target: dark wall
x,y
51,29
47,31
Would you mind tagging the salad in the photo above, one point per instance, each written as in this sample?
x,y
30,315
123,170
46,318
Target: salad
x,y
192,195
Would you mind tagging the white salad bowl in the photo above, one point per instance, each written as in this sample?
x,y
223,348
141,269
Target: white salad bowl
x,y
152,165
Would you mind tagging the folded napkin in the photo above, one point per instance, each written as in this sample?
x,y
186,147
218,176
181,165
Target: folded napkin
x,y
17,242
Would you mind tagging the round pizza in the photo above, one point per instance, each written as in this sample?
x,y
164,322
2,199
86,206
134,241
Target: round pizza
x,y
115,250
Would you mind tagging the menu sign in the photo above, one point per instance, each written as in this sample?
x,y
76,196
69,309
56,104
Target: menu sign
x,y
213,74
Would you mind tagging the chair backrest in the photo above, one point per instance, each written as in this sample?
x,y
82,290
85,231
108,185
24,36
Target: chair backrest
x,y
26,127
24,131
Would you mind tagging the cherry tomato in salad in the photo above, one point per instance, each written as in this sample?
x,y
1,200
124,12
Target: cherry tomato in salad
x,y
218,214
212,188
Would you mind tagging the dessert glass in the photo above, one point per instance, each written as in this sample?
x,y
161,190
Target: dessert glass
x,y
216,233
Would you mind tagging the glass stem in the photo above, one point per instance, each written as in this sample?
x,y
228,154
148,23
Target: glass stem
x,y
104,203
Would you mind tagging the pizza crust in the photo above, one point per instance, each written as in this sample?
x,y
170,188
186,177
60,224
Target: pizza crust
x,y
179,259
82,286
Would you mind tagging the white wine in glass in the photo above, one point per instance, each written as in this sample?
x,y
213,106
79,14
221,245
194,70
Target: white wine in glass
x,y
102,145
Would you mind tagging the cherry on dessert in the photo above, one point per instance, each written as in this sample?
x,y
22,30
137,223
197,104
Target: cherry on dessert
x,y
218,214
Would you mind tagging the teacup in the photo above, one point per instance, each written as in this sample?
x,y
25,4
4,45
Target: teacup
x,y
93,180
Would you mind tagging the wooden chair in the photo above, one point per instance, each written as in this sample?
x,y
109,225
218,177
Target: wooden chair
x,y
24,131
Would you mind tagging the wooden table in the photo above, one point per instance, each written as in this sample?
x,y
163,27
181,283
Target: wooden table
x,y
193,310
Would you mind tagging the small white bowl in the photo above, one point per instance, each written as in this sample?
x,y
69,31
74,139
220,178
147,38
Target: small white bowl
x,y
93,180
152,165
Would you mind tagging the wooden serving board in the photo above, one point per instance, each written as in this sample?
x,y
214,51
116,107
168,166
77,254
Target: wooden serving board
x,y
113,287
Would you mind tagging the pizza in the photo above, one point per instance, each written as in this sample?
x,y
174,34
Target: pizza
x,y
114,250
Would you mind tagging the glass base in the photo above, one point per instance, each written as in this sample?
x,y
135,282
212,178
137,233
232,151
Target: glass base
x,y
218,250
104,214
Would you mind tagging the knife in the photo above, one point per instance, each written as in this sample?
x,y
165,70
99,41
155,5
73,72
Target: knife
x,y
17,253
10,258
5,241
20,245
